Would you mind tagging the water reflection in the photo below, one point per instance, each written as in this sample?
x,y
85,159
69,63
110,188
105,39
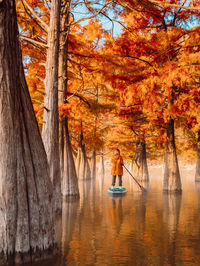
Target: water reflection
x,y
197,186
135,229
69,215
172,206
116,213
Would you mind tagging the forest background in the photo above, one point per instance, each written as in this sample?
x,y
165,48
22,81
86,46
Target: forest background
x,y
114,51
94,88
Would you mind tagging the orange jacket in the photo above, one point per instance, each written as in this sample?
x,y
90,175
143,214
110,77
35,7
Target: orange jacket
x,y
117,163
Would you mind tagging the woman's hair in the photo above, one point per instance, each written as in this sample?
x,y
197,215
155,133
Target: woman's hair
x,y
118,151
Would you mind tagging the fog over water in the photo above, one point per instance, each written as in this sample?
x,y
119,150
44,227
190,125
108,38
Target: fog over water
x,y
138,228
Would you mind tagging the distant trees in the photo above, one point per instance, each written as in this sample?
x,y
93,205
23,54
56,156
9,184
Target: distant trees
x,y
157,73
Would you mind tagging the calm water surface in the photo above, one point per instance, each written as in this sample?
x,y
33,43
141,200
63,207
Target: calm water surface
x,y
135,229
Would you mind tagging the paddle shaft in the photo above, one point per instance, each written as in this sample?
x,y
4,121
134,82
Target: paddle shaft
x,y
133,177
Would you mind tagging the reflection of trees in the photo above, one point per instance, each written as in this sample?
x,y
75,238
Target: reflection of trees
x,y
137,237
69,216
101,183
172,205
197,186
197,243
65,226
101,173
140,212
88,229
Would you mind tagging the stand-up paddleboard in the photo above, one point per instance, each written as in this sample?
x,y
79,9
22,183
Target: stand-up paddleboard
x,y
117,190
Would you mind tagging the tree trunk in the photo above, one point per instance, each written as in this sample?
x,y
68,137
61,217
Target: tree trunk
x,y
27,228
78,161
93,165
69,176
172,181
101,169
197,174
82,164
50,130
87,172
140,169
68,170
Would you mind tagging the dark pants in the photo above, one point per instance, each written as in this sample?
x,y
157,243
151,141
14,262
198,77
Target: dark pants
x,y
114,180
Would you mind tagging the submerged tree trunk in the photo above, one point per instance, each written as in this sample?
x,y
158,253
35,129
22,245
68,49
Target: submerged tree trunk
x,y
101,168
69,176
93,165
197,174
68,170
172,181
78,161
82,164
140,169
50,130
27,226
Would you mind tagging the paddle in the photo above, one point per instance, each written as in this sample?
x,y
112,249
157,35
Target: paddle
x,y
141,187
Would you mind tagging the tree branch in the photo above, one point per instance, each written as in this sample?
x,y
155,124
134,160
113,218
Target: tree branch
x,y
35,15
165,4
78,96
137,58
24,38
29,14
47,5
97,13
133,130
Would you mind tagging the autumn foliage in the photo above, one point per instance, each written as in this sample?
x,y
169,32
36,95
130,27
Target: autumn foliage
x,y
126,87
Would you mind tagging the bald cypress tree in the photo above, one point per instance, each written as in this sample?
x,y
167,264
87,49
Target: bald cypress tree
x,y
26,206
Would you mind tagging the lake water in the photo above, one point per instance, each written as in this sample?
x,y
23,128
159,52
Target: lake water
x,y
150,228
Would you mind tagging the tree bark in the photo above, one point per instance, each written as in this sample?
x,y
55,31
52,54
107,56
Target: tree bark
x,y
82,164
27,228
140,168
93,165
50,131
197,174
68,170
101,168
69,176
172,181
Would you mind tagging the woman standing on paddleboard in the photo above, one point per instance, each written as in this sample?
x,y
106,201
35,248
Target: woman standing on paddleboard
x,y
117,167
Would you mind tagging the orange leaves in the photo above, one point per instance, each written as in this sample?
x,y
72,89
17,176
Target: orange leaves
x,y
64,110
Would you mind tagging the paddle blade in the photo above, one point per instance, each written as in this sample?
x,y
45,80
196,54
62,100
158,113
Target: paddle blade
x,y
143,189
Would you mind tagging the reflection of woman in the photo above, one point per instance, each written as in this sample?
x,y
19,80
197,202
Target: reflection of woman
x,y
117,167
117,213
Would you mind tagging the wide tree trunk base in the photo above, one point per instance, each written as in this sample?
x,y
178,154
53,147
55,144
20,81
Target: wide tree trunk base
x,y
19,258
69,185
93,165
139,166
27,225
172,180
